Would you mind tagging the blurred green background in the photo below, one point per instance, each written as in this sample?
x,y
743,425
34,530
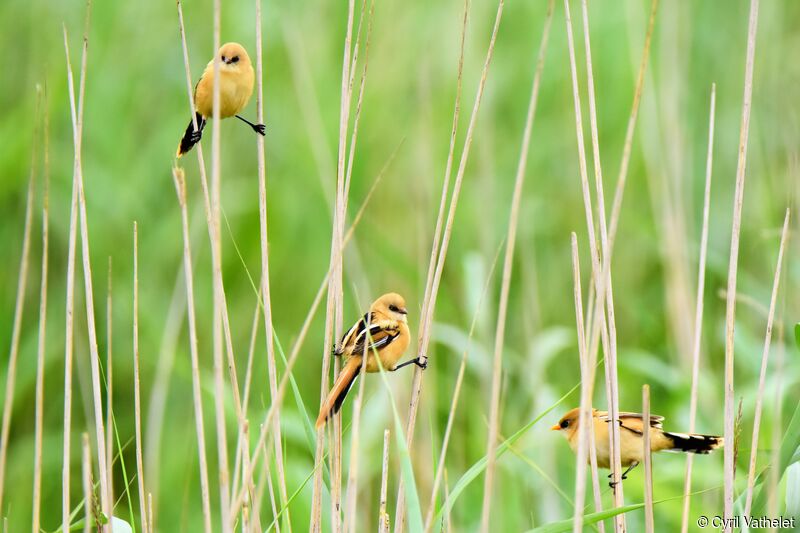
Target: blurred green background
x,y
136,111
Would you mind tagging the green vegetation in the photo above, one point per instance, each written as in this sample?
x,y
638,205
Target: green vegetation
x,y
135,113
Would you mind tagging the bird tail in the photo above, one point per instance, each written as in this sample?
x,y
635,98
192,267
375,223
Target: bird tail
x,y
691,443
189,138
339,391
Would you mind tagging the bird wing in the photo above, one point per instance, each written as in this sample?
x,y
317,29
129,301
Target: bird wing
x,y
376,337
350,336
632,421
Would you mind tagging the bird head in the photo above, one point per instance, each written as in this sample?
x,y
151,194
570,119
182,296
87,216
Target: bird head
x,y
232,57
391,305
568,425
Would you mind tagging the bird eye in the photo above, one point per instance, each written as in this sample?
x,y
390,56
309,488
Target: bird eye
x,y
223,59
393,308
235,59
564,424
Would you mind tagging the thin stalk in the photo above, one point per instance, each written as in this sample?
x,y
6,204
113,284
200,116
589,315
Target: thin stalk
x,y
587,386
334,300
216,246
730,307
505,287
648,461
751,472
434,277
616,206
698,314
437,478
611,359
22,283
601,275
383,516
265,286
77,128
88,490
355,429
137,397
180,188
109,386
304,332
40,353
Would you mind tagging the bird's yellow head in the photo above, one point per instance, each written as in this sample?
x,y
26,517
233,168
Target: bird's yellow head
x,y
233,57
392,305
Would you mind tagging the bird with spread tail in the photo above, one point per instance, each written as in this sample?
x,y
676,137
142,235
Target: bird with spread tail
x,y
235,88
632,429
382,335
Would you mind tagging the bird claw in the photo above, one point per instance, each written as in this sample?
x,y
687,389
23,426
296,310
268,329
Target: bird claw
x,y
260,129
421,364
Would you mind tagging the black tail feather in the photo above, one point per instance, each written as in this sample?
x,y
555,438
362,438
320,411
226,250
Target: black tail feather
x,y
340,399
191,137
694,443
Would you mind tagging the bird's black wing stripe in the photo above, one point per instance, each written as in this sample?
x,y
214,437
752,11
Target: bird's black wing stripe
x,y
383,342
353,332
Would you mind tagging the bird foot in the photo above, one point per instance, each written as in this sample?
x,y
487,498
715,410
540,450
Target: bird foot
x,y
261,129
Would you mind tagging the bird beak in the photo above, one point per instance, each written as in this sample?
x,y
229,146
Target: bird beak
x,y
403,311
555,427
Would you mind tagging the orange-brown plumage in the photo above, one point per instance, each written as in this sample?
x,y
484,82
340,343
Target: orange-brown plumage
x,y
235,89
382,334
631,431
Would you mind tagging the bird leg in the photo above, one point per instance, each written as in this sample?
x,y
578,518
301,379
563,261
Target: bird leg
x,y
624,474
258,128
422,365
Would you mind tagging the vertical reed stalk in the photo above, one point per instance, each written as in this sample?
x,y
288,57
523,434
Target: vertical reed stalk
x,y
77,128
730,308
601,275
437,478
494,406
109,386
137,397
751,472
649,524
435,276
383,516
88,491
40,352
585,419
265,286
698,314
180,188
334,300
22,283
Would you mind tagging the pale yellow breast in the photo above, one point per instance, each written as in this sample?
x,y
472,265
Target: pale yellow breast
x,y
235,89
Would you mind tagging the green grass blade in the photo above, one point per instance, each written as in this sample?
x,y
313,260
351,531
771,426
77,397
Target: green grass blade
x,y
308,425
476,469
592,518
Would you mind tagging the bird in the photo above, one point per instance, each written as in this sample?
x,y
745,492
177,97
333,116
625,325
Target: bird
x,y
382,334
631,431
235,89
